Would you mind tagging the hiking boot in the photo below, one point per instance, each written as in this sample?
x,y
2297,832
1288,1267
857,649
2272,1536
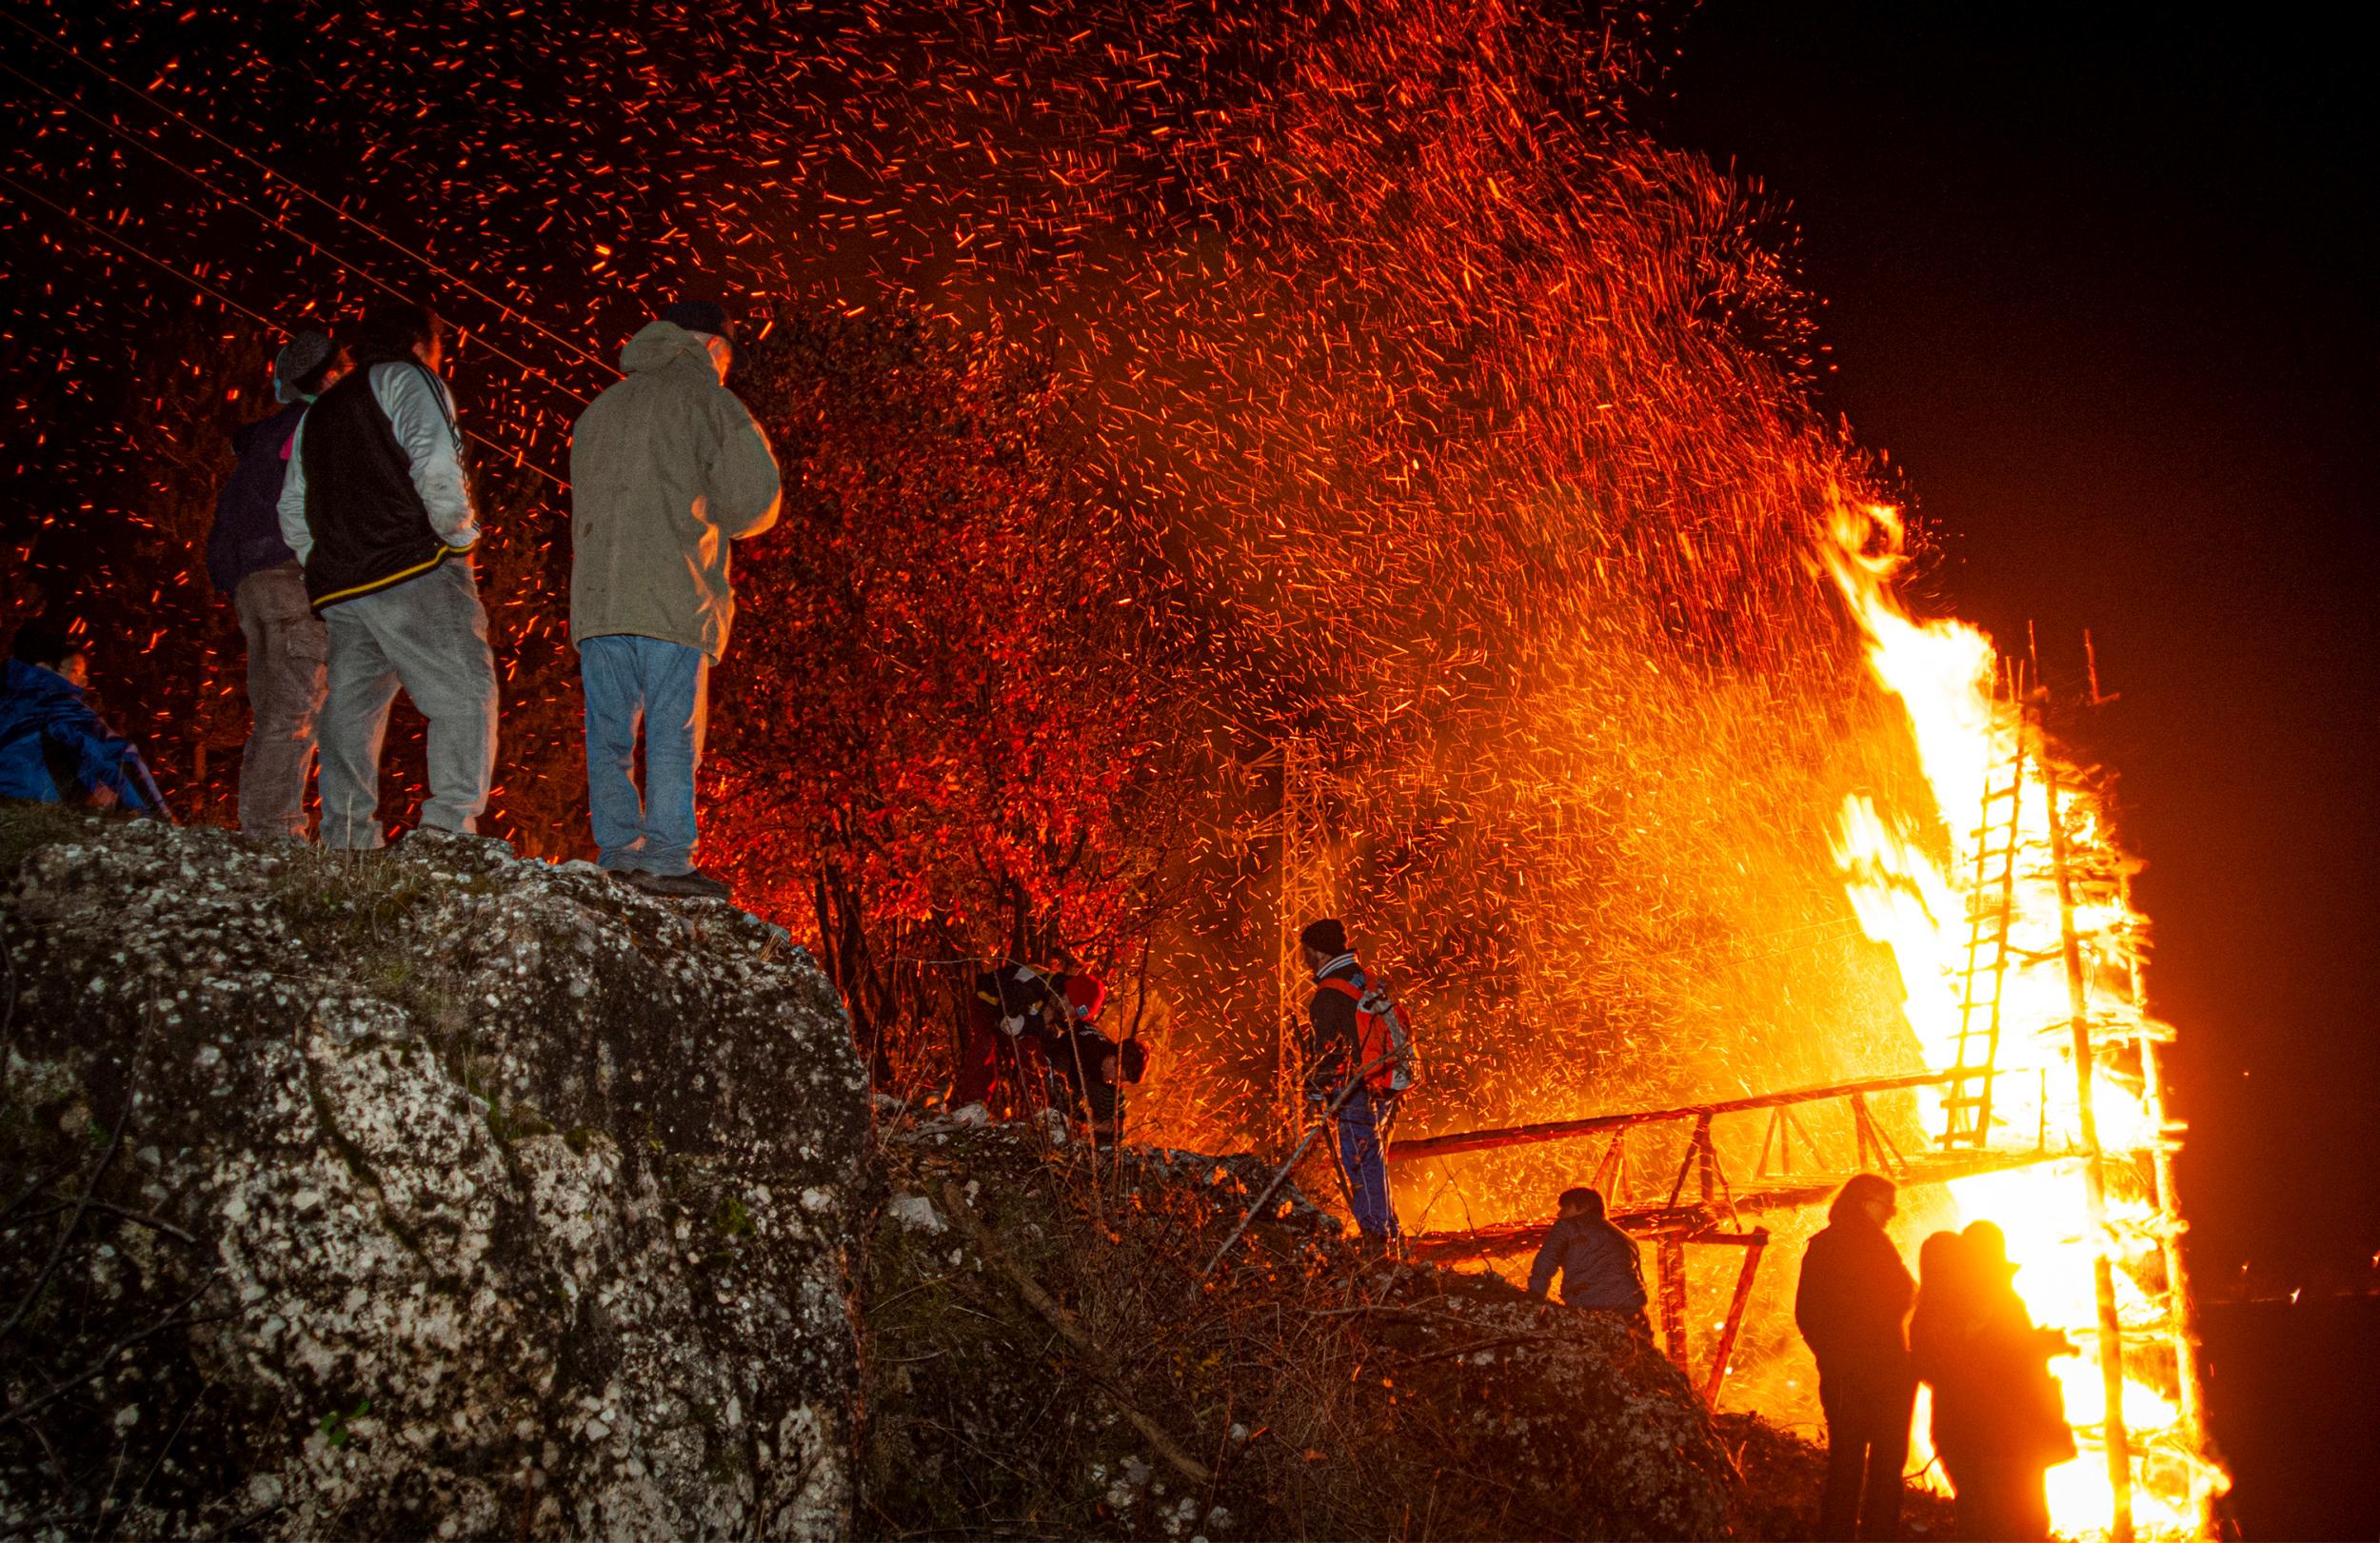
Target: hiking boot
x,y
693,884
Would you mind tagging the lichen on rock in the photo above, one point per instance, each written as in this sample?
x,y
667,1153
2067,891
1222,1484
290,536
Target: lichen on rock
x,y
427,1193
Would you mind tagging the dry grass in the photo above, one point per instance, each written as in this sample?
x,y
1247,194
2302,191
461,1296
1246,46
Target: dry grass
x,y
1325,1392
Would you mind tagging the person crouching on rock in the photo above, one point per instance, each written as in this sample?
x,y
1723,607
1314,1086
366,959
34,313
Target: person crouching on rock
x,y
1089,1069
1600,1270
54,747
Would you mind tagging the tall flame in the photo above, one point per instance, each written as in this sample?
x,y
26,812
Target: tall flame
x,y
1916,884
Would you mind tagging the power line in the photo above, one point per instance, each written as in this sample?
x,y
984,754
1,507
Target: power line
x,y
505,307
274,220
217,295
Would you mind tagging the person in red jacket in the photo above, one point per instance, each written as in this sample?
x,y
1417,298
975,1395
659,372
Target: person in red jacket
x,y
1335,1066
1852,1307
1086,1065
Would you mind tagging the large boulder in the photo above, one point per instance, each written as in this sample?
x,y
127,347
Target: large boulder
x,y
425,1194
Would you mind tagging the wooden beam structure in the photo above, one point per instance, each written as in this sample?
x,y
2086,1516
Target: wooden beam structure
x,y
1413,1149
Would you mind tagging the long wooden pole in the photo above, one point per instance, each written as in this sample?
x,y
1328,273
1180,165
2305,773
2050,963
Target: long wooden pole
x,y
2094,1171
1557,1130
2181,1306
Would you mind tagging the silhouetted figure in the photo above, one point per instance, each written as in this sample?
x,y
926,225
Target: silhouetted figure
x,y
1942,1349
2019,1415
1851,1306
1598,1263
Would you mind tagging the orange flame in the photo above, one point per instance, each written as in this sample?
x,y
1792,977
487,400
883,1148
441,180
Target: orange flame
x,y
1915,886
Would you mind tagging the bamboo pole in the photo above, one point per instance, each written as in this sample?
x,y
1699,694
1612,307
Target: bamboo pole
x,y
2094,1167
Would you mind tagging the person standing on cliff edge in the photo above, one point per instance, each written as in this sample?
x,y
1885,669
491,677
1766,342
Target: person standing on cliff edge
x,y
1852,1307
252,565
378,512
667,468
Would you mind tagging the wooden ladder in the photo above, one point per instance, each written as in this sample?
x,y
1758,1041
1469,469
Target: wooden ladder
x,y
1991,912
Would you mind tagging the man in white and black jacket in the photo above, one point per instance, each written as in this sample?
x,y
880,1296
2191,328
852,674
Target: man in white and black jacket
x,y
377,511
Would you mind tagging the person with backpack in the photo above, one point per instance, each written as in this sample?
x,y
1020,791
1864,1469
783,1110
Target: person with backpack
x,y
1358,1059
1600,1270
251,566
376,509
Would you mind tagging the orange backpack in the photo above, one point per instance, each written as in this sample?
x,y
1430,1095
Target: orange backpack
x,y
1383,1037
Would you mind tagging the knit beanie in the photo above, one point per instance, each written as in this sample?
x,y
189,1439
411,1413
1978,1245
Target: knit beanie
x,y
1326,937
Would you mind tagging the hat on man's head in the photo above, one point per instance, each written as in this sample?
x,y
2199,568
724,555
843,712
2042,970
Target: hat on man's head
x,y
700,316
1989,1247
304,353
1326,937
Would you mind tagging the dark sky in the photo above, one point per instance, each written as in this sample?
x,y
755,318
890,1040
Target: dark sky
x,y
2100,286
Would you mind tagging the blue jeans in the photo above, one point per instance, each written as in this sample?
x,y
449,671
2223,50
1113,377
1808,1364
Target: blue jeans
x,y
666,686
1360,1157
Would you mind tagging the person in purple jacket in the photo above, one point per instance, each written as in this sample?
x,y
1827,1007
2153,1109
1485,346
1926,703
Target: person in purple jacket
x,y
288,647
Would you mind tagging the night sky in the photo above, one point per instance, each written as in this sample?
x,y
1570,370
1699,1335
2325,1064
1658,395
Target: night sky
x,y
2099,286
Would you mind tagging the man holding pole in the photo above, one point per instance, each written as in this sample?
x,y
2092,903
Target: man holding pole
x,y
1335,1070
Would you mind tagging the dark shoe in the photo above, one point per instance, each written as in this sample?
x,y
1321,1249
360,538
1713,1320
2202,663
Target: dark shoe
x,y
633,877
693,884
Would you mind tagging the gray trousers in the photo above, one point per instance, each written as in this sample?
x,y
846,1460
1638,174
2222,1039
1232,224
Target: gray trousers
x,y
429,636
288,673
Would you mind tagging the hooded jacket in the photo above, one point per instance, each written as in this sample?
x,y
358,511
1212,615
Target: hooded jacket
x,y
245,536
375,494
1852,1306
55,749
1598,1264
666,468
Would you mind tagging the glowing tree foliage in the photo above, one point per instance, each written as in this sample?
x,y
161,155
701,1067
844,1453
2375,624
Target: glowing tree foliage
x,y
1421,408
931,737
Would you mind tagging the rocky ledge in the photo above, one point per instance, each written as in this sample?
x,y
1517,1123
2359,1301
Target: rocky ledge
x,y
423,1193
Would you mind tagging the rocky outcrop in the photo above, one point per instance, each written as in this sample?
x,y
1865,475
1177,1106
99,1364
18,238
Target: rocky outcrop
x,y
1048,1350
425,1194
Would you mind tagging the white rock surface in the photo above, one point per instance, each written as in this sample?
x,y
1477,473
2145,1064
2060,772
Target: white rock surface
x,y
517,1202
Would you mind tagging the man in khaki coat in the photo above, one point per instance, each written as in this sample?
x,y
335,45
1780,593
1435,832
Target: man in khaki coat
x,y
666,468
